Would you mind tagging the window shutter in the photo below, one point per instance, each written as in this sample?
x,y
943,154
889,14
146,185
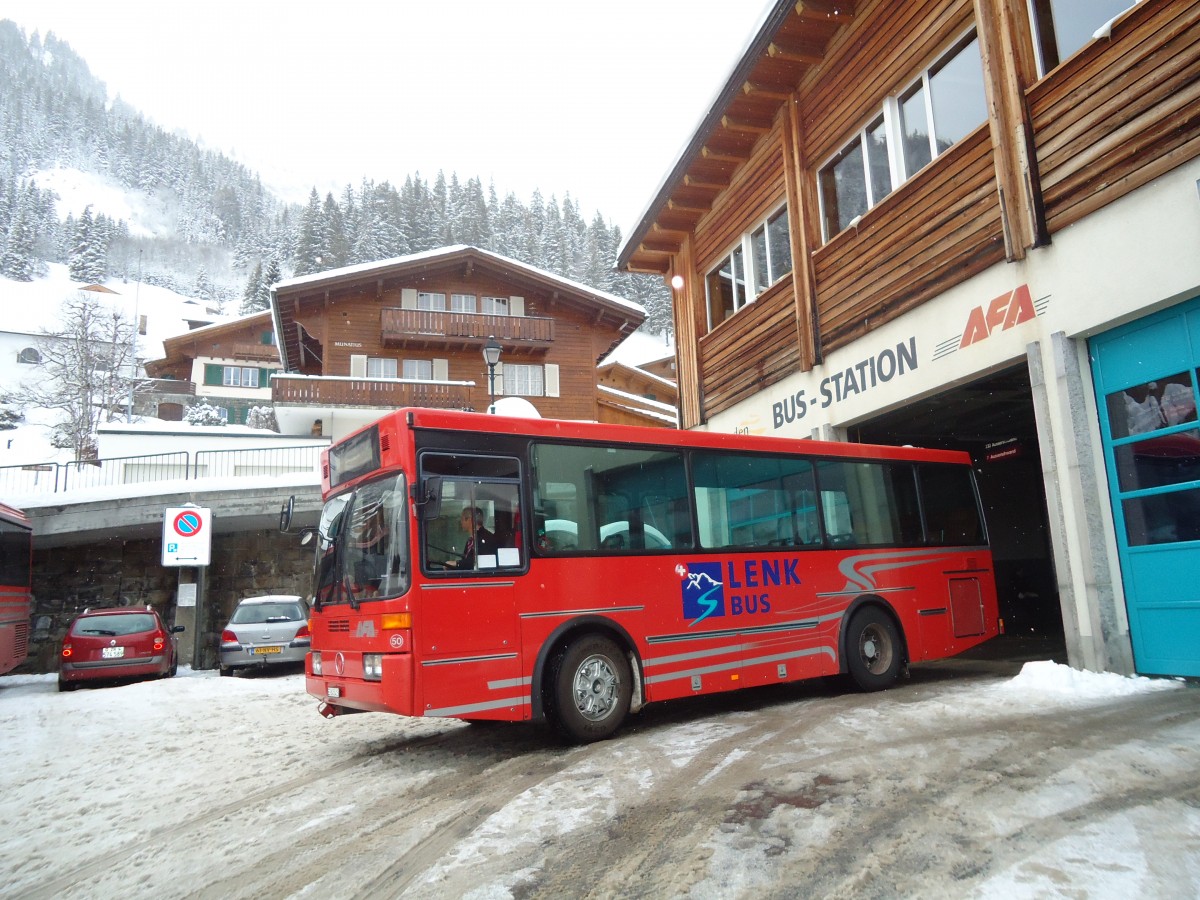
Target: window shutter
x,y
551,380
516,306
264,377
408,298
441,370
214,374
358,365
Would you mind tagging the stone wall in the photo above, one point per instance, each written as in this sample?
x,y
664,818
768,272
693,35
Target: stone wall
x,y
116,572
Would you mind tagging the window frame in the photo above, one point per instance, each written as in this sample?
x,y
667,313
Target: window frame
x,y
741,262
418,365
381,363
516,370
892,112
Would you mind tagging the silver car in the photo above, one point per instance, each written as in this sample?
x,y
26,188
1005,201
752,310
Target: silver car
x,y
265,631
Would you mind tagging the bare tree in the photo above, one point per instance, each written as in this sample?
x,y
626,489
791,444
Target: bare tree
x,y
88,370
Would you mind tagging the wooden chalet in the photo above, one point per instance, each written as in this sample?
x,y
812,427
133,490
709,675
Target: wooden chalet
x,y
974,224
228,365
410,332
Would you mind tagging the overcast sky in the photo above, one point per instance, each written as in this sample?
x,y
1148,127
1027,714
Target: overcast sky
x,y
594,99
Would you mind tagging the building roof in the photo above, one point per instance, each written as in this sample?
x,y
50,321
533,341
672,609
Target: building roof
x,y
792,38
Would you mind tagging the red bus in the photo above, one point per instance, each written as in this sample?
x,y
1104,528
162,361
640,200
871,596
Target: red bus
x,y
483,567
16,568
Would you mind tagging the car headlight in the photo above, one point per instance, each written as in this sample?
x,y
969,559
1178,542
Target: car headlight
x,y
316,662
373,666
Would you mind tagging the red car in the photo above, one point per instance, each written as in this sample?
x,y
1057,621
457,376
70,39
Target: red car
x,y
112,644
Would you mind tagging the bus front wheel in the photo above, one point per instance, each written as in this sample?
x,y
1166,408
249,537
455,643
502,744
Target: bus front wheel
x,y
592,688
873,653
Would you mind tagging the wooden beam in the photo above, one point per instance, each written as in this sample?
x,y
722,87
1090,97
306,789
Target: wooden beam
x,y
825,10
649,245
803,55
724,155
701,184
687,207
760,91
744,126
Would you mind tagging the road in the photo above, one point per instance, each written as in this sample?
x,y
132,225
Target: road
x,y
946,785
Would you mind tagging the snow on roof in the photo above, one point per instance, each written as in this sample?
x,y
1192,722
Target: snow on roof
x,y
439,252
664,412
640,348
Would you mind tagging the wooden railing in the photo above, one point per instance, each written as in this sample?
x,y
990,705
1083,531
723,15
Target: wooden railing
x,y
385,393
256,352
402,326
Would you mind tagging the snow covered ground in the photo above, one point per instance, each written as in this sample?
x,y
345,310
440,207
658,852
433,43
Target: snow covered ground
x,y
959,783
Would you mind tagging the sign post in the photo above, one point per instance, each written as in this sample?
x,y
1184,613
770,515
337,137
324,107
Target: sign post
x,y
187,541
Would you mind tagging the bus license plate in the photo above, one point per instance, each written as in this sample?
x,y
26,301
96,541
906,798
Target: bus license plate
x,y
112,652
266,649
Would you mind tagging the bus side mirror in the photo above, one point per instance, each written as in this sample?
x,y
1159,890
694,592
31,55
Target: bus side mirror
x,y
431,497
285,514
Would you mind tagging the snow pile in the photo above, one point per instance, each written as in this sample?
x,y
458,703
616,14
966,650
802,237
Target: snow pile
x,y
1054,681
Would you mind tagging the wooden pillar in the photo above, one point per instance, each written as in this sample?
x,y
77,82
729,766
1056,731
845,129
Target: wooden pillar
x,y
1006,47
803,219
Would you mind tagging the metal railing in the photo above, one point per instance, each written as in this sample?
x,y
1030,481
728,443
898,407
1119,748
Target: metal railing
x,y
182,465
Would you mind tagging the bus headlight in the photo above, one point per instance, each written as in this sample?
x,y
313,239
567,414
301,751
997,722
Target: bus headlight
x,y
373,666
315,656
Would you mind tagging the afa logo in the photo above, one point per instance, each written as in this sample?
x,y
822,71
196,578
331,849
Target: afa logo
x,y
703,591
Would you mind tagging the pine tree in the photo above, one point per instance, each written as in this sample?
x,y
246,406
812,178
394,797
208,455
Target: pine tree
x,y
87,261
17,260
250,296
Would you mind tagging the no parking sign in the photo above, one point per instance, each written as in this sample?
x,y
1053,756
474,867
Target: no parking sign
x,y
187,536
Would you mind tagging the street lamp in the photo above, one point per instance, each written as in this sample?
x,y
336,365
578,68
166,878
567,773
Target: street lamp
x,y
491,356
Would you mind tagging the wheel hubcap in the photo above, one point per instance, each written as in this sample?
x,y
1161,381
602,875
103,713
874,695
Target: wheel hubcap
x,y
874,650
596,687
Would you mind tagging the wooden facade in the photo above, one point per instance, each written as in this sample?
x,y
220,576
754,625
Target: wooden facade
x,y
1054,148
333,324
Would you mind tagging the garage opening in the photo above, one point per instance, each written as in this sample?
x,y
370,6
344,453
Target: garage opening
x,y
992,419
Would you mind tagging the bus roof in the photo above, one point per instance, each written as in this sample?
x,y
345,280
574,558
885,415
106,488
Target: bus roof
x,y
453,420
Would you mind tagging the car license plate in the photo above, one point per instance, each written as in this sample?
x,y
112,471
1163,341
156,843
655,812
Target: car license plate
x,y
112,652
266,649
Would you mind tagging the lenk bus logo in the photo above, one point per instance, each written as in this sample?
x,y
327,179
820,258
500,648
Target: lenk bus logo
x,y
702,586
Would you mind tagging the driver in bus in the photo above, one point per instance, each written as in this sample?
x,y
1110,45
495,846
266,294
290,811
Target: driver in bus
x,y
480,541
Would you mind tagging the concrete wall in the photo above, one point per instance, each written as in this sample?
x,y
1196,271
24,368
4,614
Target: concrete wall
x,y
115,572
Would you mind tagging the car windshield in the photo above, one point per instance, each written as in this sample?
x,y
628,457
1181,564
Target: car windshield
x,y
260,613
123,623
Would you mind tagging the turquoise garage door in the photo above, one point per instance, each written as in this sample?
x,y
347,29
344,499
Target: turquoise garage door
x,y
1146,387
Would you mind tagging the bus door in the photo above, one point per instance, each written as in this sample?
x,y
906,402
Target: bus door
x,y
465,621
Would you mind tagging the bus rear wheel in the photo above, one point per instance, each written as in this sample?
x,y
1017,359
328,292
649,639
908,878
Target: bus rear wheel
x,y
592,688
873,653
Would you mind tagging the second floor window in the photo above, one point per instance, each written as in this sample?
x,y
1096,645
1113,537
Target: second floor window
x,y
426,300
462,303
937,110
418,369
762,256
379,367
1061,27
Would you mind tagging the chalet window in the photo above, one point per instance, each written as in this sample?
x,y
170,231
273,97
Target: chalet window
x,y
267,338
426,300
418,369
762,257
941,107
462,303
29,356
523,381
238,376
1062,27
380,367
495,306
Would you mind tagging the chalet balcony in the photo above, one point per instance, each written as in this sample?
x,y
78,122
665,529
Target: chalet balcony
x,y
427,327
378,393
256,352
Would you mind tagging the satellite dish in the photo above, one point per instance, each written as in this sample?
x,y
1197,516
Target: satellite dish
x,y
518,407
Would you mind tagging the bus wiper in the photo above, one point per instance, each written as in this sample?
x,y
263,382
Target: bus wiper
x,y
346,586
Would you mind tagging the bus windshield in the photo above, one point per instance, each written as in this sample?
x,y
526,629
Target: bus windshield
x,y
362,544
